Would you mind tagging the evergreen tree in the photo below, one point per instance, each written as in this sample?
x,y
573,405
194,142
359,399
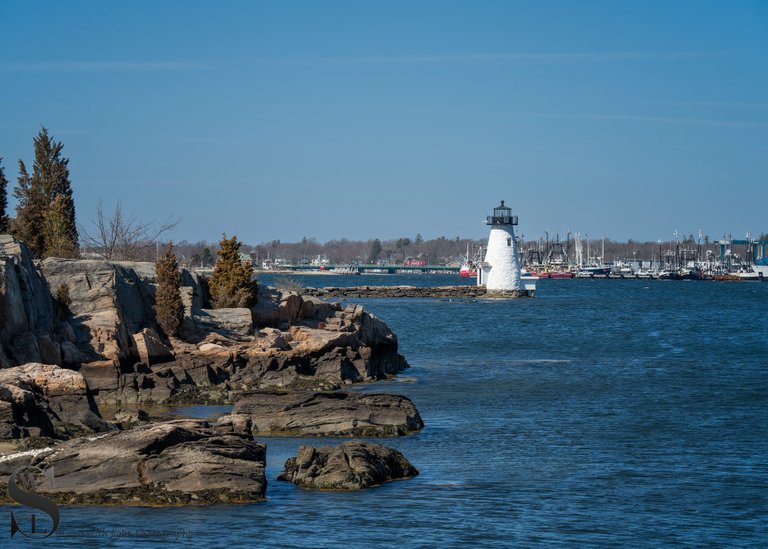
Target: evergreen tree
x,y
4,219
231,283
30,209
36,195
56,235
169,309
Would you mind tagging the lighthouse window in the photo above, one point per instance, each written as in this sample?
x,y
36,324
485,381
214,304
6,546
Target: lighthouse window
x,y
509,241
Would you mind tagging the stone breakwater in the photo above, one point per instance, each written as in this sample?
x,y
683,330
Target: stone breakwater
x,y
440,292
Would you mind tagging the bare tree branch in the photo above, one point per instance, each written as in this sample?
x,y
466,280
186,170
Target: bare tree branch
x,y
121,237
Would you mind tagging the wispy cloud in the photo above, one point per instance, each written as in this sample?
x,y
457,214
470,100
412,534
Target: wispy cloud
x,y
736,104
639,118
104,66
487,57
527,57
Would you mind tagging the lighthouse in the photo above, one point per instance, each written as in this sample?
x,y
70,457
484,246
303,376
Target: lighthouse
x,y
500,272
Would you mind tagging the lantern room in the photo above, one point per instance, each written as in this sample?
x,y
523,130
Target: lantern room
x,y
502,215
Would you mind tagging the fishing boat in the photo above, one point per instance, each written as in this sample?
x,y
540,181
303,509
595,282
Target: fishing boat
x,y
737,276
593,272
734,269
469,267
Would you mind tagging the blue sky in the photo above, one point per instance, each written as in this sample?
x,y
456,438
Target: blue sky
x,y
384,119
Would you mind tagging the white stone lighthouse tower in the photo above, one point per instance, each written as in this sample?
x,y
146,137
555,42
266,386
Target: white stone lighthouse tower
x,y
500,272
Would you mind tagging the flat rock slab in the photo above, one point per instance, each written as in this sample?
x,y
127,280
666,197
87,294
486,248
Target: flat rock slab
x,y
329,414
353,465
171,463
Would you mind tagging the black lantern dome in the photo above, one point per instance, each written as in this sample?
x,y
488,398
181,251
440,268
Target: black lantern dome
x,y
502,215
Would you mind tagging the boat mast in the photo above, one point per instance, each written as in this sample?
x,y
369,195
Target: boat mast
x,y
602,253
588,258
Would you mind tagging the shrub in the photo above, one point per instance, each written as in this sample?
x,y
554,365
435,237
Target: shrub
x,y
169,308
232,283
288,284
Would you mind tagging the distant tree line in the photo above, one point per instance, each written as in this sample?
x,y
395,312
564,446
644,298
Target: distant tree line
x,y
436,251
393,251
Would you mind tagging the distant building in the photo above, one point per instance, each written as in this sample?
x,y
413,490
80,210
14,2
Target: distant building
x,y
414,262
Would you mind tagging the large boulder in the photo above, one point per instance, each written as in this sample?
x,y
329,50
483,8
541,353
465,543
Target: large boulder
x,y
199,377
351,466
329,414
170,463
45,400
109,303
325,345
266,310
26,308
151,348
112,306
230,322
276,308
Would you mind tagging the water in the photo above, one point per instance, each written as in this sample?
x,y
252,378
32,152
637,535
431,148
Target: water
x,y
203,412
600,413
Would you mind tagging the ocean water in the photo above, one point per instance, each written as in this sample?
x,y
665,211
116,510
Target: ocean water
x,y
600,413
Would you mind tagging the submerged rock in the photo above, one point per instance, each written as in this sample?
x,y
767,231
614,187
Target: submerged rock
x,y
329,414
171,463
353,465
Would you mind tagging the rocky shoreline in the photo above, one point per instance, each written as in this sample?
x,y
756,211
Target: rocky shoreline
x,y
281,366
